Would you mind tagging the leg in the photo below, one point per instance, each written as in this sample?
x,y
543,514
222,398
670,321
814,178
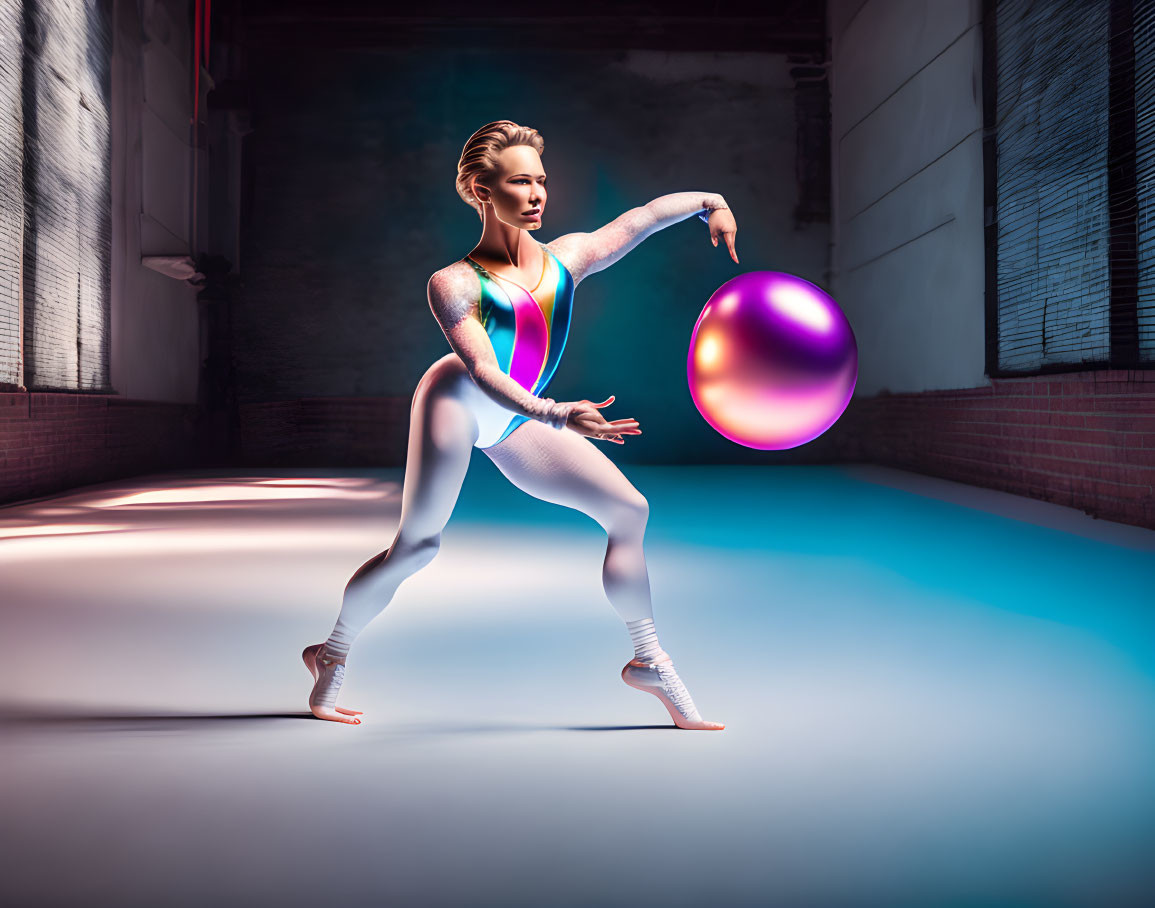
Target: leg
x,y
442,432
566,468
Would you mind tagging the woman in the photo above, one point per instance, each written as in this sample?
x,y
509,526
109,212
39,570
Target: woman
x,y
505,310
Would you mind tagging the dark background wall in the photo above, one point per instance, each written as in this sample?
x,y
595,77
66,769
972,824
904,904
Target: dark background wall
x,y
352,207
335,129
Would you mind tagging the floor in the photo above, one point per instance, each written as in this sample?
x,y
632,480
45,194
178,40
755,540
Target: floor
x,y
934,695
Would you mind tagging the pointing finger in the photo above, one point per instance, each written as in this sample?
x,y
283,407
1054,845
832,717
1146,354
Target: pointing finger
x,y
730,242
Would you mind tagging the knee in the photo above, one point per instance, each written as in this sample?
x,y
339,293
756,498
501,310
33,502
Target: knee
x,y
416,554
405,555
630,516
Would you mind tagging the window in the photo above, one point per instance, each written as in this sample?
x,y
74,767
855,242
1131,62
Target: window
x,y
1070,136
55,201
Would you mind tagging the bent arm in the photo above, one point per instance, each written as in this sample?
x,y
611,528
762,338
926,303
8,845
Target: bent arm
x,y
594,252
453,301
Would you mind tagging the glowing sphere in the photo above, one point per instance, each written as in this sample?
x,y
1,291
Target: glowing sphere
x,y
772,362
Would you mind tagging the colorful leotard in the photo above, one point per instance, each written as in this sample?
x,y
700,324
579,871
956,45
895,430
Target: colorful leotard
x,y
528,330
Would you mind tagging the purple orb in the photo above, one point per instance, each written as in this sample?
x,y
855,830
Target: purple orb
x,y
772,361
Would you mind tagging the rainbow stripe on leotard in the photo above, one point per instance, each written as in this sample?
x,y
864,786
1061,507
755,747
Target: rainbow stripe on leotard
x,y
527,329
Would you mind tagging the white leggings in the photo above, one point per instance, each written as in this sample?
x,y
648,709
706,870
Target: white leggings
x,y
562,467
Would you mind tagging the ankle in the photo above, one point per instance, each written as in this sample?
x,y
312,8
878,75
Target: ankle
x,y
326,656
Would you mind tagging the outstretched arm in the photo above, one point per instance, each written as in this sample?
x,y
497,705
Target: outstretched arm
x,y
589,253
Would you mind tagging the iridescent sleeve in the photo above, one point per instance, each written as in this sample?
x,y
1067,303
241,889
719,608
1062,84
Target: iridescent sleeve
x,y
677,206
589,253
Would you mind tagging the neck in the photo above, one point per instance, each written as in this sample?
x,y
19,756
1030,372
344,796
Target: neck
x,y
502,243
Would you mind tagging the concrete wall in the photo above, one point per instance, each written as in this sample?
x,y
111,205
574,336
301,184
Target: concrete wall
x,y
155,345
908,268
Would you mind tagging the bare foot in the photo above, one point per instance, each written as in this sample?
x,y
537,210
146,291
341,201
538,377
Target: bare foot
x,y
327,678
660,679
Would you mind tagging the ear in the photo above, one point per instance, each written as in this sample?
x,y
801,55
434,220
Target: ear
x,y
479,192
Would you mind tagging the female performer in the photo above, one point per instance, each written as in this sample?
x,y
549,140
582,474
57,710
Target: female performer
x,y
505,309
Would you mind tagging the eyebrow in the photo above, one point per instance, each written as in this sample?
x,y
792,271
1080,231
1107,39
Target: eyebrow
x,y
523,175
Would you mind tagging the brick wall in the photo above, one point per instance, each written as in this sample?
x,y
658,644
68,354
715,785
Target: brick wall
x,y
1084,440
54,441
1081,439
325,431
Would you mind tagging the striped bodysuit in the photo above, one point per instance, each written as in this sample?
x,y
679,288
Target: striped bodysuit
x,y
528,331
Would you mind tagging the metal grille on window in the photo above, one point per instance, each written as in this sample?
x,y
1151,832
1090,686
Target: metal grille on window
x,y
1053,223
67,205
1144,30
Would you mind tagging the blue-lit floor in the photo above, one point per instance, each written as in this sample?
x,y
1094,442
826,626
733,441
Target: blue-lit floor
x,y
934,695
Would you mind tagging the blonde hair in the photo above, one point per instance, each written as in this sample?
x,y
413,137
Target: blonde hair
x,y
479,156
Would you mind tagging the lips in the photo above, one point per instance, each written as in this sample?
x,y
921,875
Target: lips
x,y
533,211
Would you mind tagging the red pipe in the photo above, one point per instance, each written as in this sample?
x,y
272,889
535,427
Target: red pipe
x,y
197,62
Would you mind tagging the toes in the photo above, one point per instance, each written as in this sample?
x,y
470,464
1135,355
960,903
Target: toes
x,y
699,725
332,716
349,712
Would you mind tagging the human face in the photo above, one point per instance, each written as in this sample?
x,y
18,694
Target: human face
x,y
517,187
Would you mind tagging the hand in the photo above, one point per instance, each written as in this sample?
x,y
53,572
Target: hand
x,y
585,419
722,224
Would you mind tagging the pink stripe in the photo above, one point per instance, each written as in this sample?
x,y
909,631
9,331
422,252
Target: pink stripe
x,y
530,340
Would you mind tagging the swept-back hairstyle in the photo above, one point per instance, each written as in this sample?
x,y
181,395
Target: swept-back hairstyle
x,y
479,157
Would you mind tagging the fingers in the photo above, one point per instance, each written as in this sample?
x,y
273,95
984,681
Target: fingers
x,y
729,236
605,430
619,425
609,429
613,431
730,242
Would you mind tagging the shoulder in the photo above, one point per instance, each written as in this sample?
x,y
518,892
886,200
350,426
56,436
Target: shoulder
x,y
572,251
454,292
